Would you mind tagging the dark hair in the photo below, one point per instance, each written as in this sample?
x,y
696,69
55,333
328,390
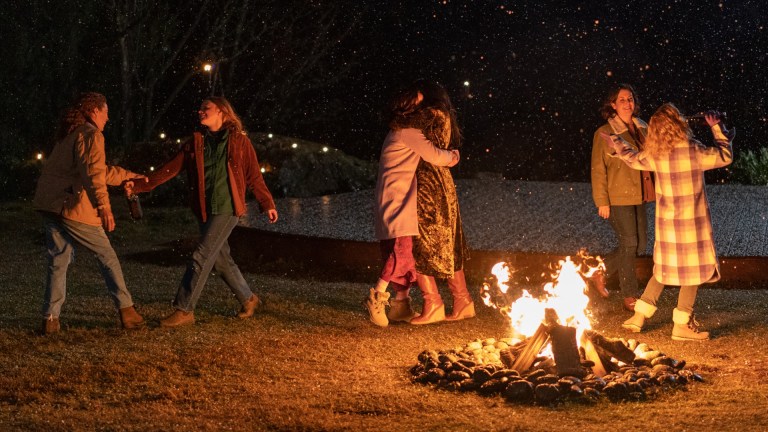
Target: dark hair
x,y
435,97
231,119
607,110
79,113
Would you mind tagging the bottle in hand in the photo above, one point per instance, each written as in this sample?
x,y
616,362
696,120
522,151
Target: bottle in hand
x,y
134,206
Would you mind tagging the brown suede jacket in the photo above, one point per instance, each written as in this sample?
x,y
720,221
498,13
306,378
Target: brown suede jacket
x,y
242,169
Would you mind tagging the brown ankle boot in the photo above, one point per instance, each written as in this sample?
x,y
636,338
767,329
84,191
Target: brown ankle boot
x,y
178,318
249,307
51,325
463,306
434,309
130,319
401,310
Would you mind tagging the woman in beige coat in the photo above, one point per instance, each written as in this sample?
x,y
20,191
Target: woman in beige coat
x,y
621,193
72,196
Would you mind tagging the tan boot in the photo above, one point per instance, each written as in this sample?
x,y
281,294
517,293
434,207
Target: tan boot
x,y
130,319
643,311
376,304
686,327
178,318
51,325
463,306
434,308
249,307
401,310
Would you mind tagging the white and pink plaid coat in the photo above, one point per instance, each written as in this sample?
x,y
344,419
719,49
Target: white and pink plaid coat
x,y
684,250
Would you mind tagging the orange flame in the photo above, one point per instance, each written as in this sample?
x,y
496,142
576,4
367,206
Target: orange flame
x,y
566,295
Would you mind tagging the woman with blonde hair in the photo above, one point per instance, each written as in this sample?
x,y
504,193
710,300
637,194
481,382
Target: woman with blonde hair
x,y
220,163
684,250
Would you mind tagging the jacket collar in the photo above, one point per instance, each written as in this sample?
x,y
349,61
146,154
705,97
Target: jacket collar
x,y
619,127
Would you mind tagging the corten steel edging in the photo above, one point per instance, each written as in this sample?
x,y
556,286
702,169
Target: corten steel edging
x,y
252,247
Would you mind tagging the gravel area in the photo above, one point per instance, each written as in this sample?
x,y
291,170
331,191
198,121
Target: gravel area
x,y
521,216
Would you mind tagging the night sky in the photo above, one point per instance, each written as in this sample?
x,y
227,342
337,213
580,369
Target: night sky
x,y
537,71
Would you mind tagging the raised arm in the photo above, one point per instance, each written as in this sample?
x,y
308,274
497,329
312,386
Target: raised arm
x,y
722,154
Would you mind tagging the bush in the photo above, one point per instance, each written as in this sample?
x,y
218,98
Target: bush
x,y
752,167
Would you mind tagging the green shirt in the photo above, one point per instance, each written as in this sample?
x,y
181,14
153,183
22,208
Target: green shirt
x,y
218,196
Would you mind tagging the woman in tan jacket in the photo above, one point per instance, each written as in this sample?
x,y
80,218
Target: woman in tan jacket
x,y
621,193
72,196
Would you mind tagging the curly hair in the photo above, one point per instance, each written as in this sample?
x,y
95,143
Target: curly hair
x,y
607,111
404,105
665,128
231,119
79,112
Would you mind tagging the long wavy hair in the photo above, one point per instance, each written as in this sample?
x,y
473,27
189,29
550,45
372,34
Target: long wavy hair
x,y
79,113
403,104
607,111
231,119
665,128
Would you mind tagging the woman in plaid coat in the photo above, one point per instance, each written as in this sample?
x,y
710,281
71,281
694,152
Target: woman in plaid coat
x,y
684,250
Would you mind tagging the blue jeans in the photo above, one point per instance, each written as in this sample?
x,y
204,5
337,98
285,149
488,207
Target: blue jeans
x,y
630,223
60,235
212,252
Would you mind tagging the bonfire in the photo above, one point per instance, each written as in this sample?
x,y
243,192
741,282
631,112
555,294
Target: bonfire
x,y
553,354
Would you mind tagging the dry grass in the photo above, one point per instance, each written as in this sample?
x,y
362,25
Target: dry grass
x,y
309,360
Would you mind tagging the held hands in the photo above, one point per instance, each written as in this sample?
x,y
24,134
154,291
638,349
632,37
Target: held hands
x,y
128,184
455,160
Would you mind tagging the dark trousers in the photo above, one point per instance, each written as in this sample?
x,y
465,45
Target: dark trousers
x,y
630,223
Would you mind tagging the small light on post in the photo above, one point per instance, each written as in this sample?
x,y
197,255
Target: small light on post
x,y
294,145
325,149
39,156
269,136
263,170
466,83
162,135
207,67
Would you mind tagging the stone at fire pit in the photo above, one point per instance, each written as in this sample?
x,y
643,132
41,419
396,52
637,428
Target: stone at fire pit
x,y
480,366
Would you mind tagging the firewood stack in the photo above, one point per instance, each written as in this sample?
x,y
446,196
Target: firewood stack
x,y
603,368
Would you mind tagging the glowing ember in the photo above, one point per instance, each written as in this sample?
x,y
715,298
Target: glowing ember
x,y
566,295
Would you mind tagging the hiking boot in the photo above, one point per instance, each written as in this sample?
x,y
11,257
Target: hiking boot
x,y
401,310
51,325
643,311
376,304
249,307
686,327
130,319
178,318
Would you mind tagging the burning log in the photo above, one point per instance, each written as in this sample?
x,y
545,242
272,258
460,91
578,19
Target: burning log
x,y
608,348
565,351
591,355
533,346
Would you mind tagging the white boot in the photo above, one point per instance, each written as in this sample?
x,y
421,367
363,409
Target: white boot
x,y
643,311
686,327
376,303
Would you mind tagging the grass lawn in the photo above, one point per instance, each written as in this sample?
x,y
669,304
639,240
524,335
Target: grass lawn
x,y
309,359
